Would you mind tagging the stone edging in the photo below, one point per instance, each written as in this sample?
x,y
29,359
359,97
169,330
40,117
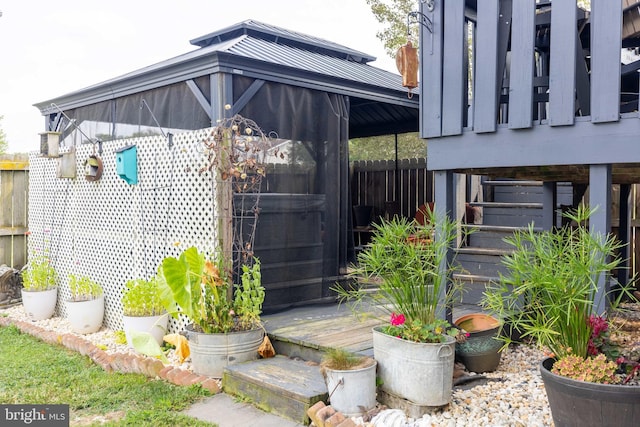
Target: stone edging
x,y
119,362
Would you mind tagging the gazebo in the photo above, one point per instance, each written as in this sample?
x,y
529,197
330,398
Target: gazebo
x,y
310,93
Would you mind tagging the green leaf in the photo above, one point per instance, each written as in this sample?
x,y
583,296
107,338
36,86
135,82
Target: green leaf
x,y
146,344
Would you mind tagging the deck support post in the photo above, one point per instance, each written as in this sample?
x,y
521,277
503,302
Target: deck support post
x,y
549,200
624,232
444,206
600,221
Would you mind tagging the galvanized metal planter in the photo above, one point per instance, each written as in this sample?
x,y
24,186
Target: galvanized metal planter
x,y
421,373
353,391
211,353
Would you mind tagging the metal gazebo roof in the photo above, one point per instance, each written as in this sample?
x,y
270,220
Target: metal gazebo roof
x,y
379,102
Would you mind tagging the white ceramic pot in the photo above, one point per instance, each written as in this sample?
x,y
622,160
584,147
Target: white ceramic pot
x,y
86,316
40,305
154,325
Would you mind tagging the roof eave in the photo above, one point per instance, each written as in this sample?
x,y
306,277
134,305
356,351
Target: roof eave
x,y
221,62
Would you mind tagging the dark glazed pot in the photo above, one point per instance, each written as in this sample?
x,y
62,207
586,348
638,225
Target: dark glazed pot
x,y
481,351
583,404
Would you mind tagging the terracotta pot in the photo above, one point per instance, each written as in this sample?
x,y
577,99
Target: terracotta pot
x,y
478,323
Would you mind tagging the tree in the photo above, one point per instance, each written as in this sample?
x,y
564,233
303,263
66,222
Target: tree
x,y
4,144
410,146
393,15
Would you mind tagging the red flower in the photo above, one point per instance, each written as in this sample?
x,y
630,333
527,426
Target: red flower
x,y
397,319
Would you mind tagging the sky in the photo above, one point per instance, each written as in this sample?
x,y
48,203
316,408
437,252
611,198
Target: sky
x,y
50,48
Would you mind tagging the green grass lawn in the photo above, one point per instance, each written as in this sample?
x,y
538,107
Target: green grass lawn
x,y
33,372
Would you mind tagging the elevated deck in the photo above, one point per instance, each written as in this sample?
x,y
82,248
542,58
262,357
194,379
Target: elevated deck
x,y
531,90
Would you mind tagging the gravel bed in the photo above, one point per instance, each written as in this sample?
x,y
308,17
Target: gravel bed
x,y
105,338
512,396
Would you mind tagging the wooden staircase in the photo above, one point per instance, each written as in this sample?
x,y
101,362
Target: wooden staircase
x,y
513,206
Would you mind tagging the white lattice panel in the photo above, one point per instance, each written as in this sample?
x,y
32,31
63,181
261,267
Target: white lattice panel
x,y
112,231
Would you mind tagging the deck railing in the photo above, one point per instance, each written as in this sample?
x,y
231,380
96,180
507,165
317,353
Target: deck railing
x,y
526,64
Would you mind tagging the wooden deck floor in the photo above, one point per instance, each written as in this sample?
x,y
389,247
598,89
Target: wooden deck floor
x,y
320,327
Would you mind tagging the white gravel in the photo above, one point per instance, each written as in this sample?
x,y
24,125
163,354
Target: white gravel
x,y
105,338
513,396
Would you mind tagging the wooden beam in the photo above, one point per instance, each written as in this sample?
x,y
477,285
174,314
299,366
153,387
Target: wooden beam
x,y
202,100
582,143
444,205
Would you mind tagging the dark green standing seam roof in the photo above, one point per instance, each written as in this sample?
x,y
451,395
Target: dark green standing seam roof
x,y
379,103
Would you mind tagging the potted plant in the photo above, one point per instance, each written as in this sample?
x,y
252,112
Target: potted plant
x,y
415,353
225,328
142,310
85,308
480,350
40,290
549,293
351,381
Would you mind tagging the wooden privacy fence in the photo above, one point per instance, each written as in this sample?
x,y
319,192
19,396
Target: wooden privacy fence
x,y
14,187
391,187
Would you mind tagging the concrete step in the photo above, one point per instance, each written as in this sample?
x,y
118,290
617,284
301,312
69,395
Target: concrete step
x,y
279,385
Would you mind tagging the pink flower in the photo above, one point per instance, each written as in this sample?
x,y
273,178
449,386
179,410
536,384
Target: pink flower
x,y
598,325
397,319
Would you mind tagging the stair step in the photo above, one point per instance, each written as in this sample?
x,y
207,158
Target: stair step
x,y
507,205
497,228
279,385
482,251
475,278
497,182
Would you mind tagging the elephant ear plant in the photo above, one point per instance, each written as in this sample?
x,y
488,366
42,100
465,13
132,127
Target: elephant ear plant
x,y
550,290
200,289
